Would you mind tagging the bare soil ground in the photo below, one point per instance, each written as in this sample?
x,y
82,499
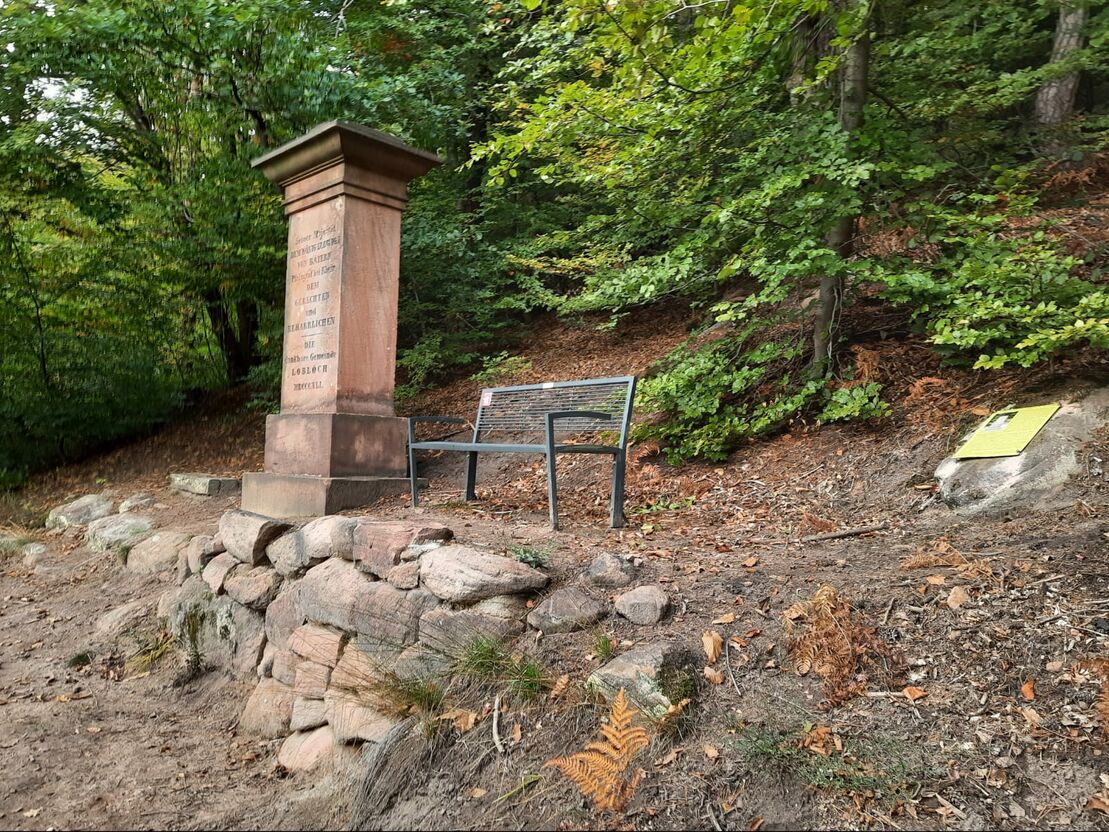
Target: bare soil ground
x,y
994,627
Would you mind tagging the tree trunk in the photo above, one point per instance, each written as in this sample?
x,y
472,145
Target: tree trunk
x,y
235,337
1055,100
841,237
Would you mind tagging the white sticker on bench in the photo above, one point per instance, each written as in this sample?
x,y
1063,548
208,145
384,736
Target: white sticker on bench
x,y
547,385
486,398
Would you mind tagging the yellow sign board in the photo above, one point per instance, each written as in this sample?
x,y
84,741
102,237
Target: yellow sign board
x,y
1007,432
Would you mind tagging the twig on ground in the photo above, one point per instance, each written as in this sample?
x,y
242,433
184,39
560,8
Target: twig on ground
x,y
497,724
815,538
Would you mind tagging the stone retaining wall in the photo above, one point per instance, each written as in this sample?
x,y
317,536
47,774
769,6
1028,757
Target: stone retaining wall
x,y
317,613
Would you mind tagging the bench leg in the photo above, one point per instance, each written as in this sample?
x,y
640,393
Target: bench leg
x,y
412,476
552,489
619,463
471,476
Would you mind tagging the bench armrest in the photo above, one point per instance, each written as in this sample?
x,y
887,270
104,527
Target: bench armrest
x,y
448,420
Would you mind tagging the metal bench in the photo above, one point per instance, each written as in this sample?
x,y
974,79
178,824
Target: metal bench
x,y
594,409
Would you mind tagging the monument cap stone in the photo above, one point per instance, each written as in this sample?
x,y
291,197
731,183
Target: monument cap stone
x,y
337,442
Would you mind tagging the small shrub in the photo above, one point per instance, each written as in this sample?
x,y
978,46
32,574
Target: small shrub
x,y
501,365
79,660
603,647
533,556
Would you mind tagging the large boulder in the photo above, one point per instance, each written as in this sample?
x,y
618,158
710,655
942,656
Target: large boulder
x,y
643,605
157,553
226,634
117,532
269,711
379,547
323,538
308,714
80,512
566,610
460,574
1034,479
654,677
246,535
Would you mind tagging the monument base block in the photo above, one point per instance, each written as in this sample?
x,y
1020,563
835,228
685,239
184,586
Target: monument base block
x,y
298,495
336,445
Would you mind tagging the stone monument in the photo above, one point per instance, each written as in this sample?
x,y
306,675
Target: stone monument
x,y
337,443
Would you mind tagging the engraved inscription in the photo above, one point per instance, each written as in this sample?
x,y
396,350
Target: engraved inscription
x,y
311,309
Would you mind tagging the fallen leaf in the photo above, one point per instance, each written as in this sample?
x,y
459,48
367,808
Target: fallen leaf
x,y
715,676
476,792
1028,690
726,618
756,824
462,720
913,693
560,686
1031,716
94,729
1053,667
1094,804
711,751
751,562
32,813
517,732
957,597
669,758
936,580
713,643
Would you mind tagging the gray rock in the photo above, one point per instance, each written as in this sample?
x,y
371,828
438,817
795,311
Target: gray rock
x,y
246,535
216,572
117,532
265,667
654,677
323,538
34,554
269,711
611,571
158,552
202,549
254,588
228,635
1035,478
566,610
514,607
140,500
284,667
310,681
204,484
80,512
643,605
462,575
322,645
423,663
114,623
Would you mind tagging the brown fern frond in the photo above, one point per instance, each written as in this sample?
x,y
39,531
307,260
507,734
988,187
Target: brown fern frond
x,y
600,770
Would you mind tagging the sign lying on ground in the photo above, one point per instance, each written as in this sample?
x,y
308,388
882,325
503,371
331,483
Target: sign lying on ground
x,y
1006,432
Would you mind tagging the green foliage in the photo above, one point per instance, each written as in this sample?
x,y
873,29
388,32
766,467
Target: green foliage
x,y
533,556
861,402
501,365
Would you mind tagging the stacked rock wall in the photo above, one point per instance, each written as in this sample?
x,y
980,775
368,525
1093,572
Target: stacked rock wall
x,y
317,613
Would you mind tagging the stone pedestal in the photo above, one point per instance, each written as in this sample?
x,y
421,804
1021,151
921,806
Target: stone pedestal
x,y
336,443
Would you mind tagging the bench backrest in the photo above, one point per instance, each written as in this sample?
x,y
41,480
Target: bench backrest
x,y
524,408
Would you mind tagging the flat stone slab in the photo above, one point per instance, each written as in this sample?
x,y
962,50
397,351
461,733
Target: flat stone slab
x,y
269,710
80,512
252,587
135,501
206,485
117,531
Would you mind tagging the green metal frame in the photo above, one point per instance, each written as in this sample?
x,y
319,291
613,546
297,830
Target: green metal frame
x,y
549,448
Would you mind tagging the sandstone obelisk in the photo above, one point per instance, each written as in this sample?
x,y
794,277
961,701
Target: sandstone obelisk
x,y
336,443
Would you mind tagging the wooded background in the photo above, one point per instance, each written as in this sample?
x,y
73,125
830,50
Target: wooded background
x,y
804,172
